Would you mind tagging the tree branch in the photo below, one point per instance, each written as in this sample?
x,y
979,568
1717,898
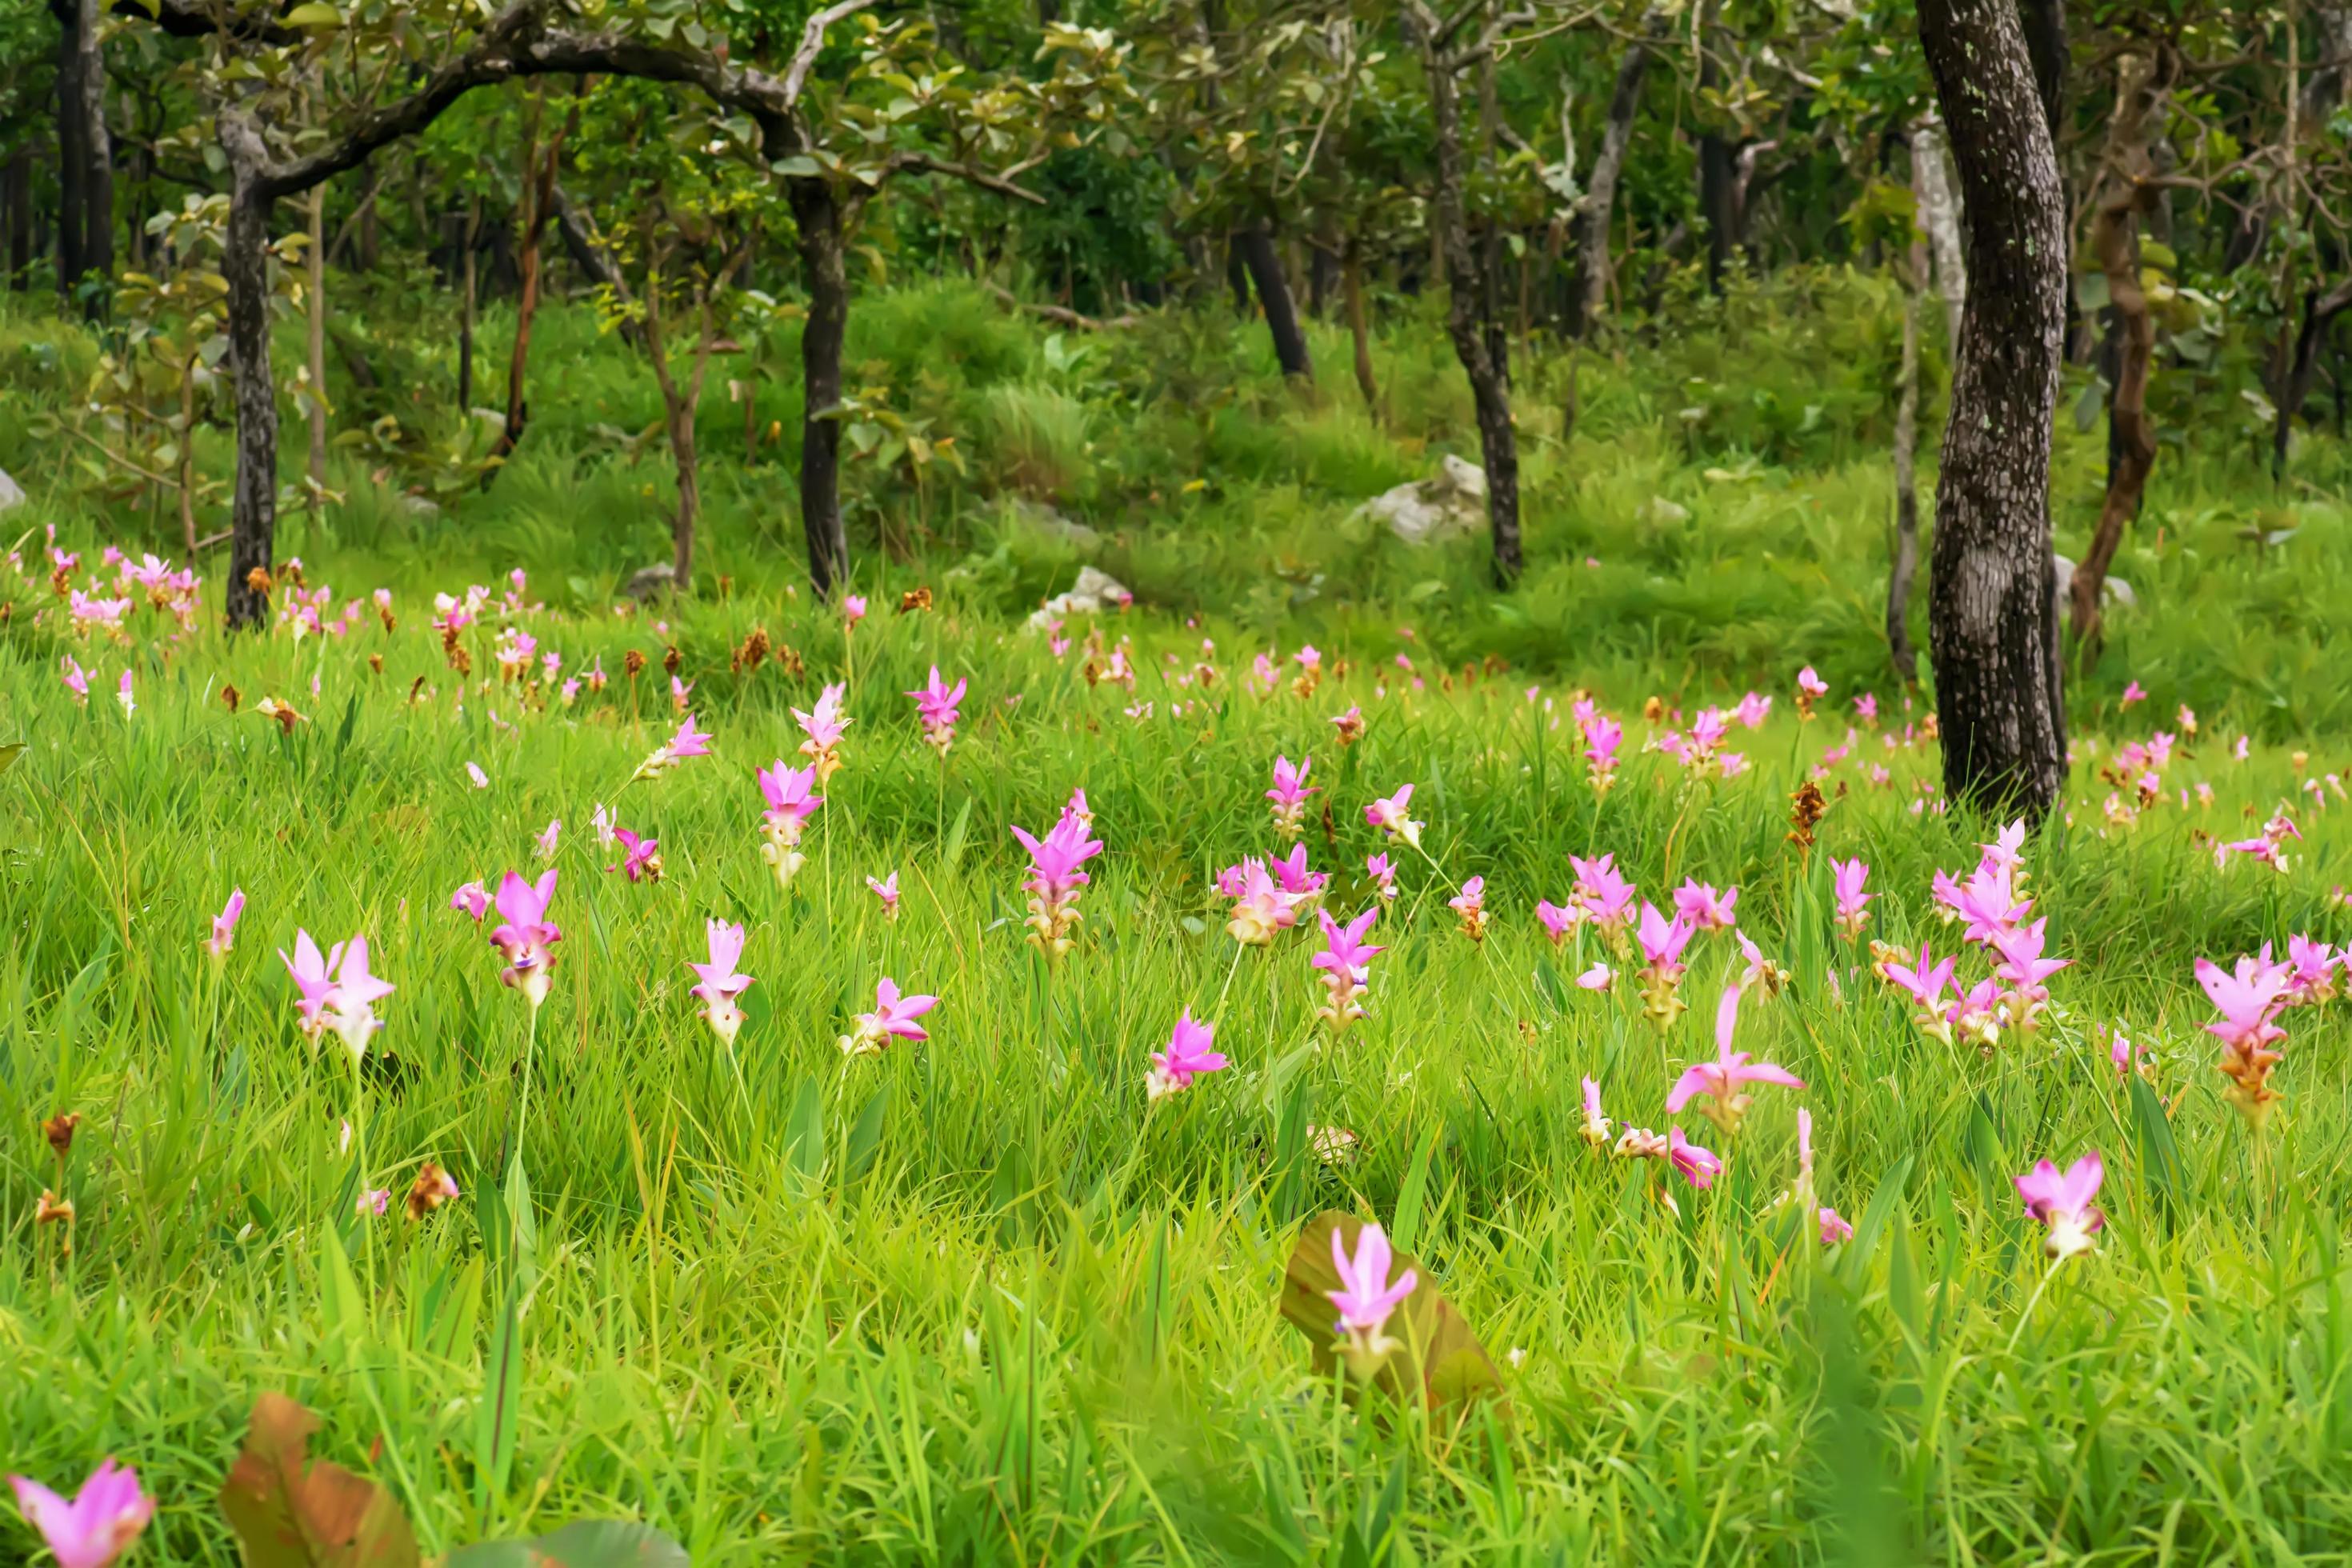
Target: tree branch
x,y
812,43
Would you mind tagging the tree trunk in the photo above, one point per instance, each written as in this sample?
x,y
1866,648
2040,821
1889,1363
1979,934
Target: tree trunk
x,y
16,195
315,405
186,466
1992,586
1351,282
1939,215
537,201
678,405
466,319
2131,440
98,153
2324,90
1591,295
1237,279
253,522
1497,440
1906,481
1256,244
73,160
824,278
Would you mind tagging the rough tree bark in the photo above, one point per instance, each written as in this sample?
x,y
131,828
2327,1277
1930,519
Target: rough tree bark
x,y
1939,215
98,153
1489,389
1992,578
2124,193
244,268
1598,209
1256,245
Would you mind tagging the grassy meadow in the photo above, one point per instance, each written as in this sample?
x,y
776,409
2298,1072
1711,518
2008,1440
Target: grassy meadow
x,y
984,1299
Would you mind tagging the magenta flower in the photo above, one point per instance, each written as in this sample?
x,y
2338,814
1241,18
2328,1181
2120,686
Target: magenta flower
x,y
1289,795
1393,816
720,982
1346,962
688,741
1188,1057
224,935
824,726
1753,709
375,1201
525,936
1470,907
313,980
886,890
77,679
1603,736
1761,970
100,1524
853,609
791,801
1558,922
1367,1299
1865,708
1699,1167
2133,692
2312,969
1720,1080
2025,969
1292,874
640,856
1811,684
1599,977
2249,999
1078,807
1606,898
2064,1203
893,1017
351,1007
1055,879
1853,904
1595,1129
1349,725
1662,941
934,706
1704,908
1383,876
1924,982
1261,907
473,899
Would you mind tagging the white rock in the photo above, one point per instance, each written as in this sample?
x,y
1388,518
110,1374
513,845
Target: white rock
x,y
1091,595
2115,590
12,494
1452,501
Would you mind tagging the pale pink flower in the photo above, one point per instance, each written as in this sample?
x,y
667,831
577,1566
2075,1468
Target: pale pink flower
x,y
77,679
473,899
1599,977
1719,1080
1753,709
640,856
122,694
1470,907
374,1201
1704,908
2025,969
224,935
1056,873
720,982
1367,1299
934,706
1558,922
853,609
1289,795
524,936
548,838
2248,999
1605,897
2063,1202
101,1522
1834,1229
1811,684
1603,736
886,890
474,771
824,725
1393,816
893,1018
1595,1129
2134,692
1853,904
1383,875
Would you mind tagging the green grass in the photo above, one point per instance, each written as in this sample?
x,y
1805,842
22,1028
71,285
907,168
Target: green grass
x,y
973,1301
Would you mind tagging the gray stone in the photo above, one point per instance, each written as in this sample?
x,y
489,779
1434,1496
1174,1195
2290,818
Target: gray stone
x,y
1452,501
1093,592
2114,591
1038,518
12,494
651,582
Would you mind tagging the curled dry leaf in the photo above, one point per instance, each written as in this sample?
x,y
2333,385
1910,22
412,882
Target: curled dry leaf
x,y
1441,1356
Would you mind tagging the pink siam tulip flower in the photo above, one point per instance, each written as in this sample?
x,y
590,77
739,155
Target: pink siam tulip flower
x,y
1078,809
893,1018
934,706
1558,922
224,935
1188,1057
1367,1299
886,890
350,1005
681,693
2134,692
524,936
1292,876
1055,876
853,609
721,984
1924,982
480,779
2025,969
1289,795
1346,962
1261,908
2312,970
1853,904
1606,898
313,980
1349,725
1699,1167
2063,1202
1762,971
640,856
1662,941
2249,999
1865,708
791,801
1706,909
102,1521
1975,1018
1810,688
376,1201
1392,816
473,899
549,838
1595,1131
1599,977
122,694
77,679
1719,1080
1753,709
1383,876
1603,736
1470,906
1834,1228
824,726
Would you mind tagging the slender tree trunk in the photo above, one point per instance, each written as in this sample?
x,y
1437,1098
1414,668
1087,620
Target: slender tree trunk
x,y
539,167
1939,215
244,268
315,405
1256,244
186,466
1591,295
1906,481
2131,444
98,153
17,194
678,408
1991,588
73,159
1489,391
824,278
465,320
2294,388
1359,334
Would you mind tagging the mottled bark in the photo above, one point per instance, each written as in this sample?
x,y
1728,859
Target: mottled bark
x,y
244,268
1991,613
1255,245
1598,209
1940,217
825,279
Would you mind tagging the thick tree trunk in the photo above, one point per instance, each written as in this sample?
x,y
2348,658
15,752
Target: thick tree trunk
x,y
1598,210
1991,595
1906,481
824,278
1360,332
1939,217
253,522
1256,244
73,159
2131,440
1497,440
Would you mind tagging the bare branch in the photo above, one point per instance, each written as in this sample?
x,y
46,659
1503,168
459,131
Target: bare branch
x,y
812,43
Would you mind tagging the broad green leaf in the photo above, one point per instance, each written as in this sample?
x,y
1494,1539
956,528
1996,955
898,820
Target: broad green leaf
x,y
314,13
501,1406
1440,1357
583,1543
288,1512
